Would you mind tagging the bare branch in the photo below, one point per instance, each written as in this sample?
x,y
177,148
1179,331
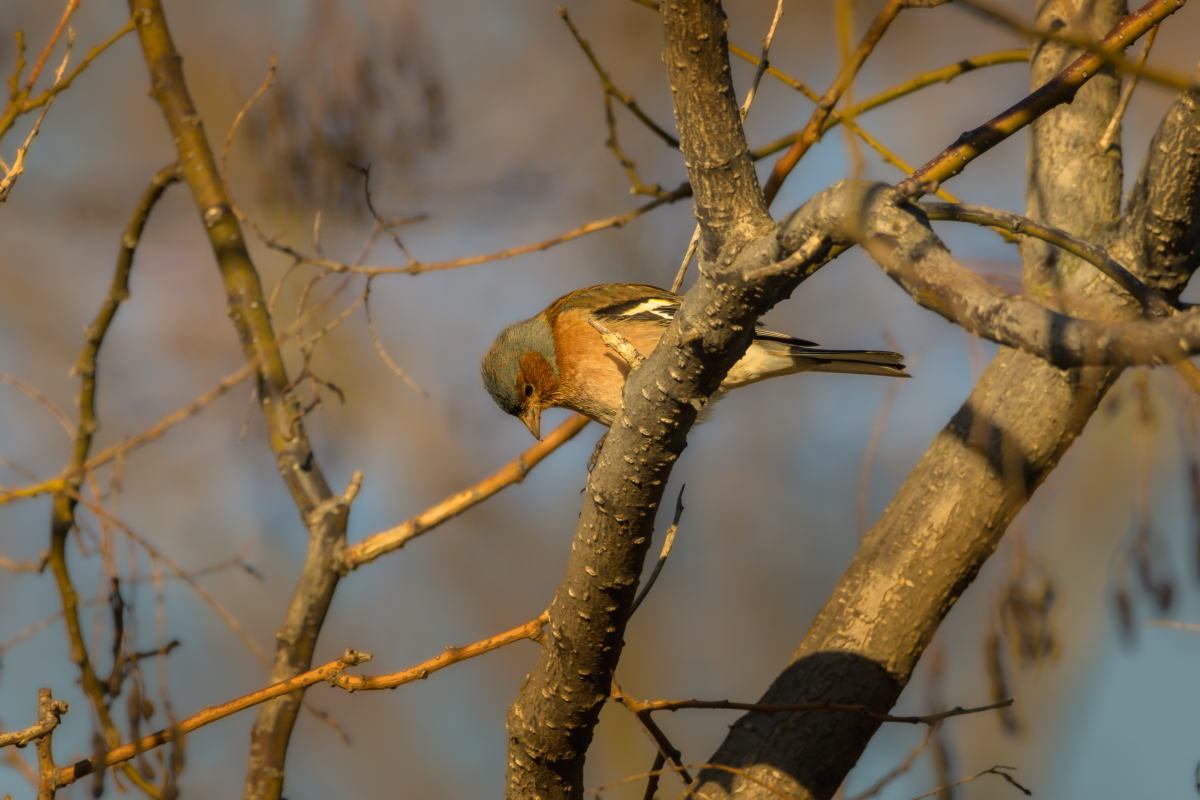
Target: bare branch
x,y
668,543
763,63
1058,90
915,258
325,514
812,131
789,708
385,542
49,712
1113,59
1110,133
992,771
332,673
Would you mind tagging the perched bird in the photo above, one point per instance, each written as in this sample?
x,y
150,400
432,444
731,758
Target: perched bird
x,y
557,359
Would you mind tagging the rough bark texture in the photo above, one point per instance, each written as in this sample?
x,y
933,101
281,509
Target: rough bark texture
x,y
550,725
729,201
981,469
897,235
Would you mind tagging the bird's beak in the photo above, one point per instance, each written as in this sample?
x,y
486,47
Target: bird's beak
x,y
532,417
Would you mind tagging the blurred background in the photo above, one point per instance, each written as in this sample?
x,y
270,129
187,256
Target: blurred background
x,y
488,120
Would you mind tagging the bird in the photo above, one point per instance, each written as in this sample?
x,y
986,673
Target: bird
x,y
558,360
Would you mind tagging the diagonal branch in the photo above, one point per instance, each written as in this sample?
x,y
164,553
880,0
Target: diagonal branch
x,y
375,546
951,513
1058,90
332,673
898,237
812,131
551,723
324,514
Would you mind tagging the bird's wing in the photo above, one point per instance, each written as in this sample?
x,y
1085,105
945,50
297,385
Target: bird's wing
x,y
652,305
647,304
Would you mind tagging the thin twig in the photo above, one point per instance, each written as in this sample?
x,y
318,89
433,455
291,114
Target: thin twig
x,y
763,62
900,769
611,89
623,347
654,774
687,260
62,418
835,117
62,85
1091,253
49,711
379,220
120,449
668,541
237,120
665,748
1191,627
18,165
846,708
844,23
993,771
386,541
812,131
332,673
379,348
36,72
1114,125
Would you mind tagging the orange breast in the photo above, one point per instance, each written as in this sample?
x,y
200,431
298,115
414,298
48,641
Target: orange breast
x,y
591,376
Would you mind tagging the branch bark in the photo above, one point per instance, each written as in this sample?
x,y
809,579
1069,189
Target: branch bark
x,y
550,724
981,469
897,235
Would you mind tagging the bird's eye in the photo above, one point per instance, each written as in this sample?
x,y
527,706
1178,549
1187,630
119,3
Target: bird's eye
x,y
529,390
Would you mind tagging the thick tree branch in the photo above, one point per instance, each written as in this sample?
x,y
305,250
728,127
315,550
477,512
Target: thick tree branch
x,y
1092,253
981,469
729,203
898,237
551,723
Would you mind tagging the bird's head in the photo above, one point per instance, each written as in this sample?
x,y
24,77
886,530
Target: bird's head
x,y
520,371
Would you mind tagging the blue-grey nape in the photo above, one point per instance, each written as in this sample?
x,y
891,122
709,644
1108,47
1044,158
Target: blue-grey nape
x,y
503,360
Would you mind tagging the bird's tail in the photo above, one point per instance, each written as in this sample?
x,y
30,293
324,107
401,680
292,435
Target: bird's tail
x,y
859,362
771,357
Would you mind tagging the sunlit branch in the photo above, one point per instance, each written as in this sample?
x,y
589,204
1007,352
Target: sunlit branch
x,y
1110,133
812,131
332,673
610,88
1109,57
835,118
386,541
1059,89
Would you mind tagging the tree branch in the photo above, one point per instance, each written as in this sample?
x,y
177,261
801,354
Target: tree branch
x,y
1058,89
551,723
898,237
325,514
980,470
